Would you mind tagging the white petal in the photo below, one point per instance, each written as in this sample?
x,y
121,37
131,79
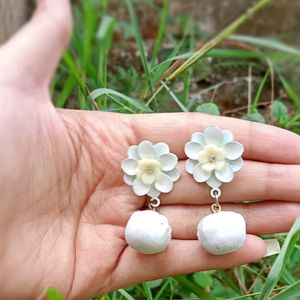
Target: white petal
x,y
129,166
148,178
236,164
153,193
213,181
140,188
146,150
225,175
192,149
161,149
234,150
199,174
133,152
168,161
203,157
220,165
198,137
129,179
213,135
174,174
208,167
227,136
190,165
164,183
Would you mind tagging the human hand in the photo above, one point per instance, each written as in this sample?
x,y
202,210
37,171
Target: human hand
x,y
63,203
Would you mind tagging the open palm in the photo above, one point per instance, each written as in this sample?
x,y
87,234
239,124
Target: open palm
x,y
63,203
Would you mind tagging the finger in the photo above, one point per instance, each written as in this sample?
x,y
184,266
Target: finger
x,y
255,181
261,218
33,53
181,257
261,142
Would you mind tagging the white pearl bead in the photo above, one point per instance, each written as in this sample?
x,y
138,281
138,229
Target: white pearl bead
x,y
148,232
221,233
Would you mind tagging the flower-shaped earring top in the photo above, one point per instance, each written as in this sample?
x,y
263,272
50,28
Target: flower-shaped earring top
x,y
213,156
150,169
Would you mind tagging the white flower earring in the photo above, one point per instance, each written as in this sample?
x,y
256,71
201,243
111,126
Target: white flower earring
x,y
150,170
213,157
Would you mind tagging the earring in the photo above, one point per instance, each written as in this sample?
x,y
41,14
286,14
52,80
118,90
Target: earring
x,y
213,157
151,170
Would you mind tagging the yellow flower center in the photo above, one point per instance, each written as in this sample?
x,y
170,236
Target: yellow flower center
x,y
148,170
212,158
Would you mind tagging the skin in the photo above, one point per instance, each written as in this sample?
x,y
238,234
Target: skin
x,y
63,203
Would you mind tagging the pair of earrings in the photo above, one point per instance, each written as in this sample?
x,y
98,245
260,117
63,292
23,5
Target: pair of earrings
x,y
213,157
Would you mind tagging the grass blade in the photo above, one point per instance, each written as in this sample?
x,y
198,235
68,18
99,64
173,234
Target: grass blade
x,y
69,61
268,43
158,72
193,287
214,53
281,261
161,30
259,92
162,289
121,103
290,91
174,97
139,40
292,292
101,92
69,86
147,291
104,35
125,294
90,9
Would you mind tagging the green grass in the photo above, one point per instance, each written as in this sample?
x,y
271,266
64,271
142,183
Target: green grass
x,y
110,66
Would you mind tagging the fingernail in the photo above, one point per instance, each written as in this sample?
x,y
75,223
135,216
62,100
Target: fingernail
x,y
272,247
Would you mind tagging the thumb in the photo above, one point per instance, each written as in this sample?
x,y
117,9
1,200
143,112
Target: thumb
x,y
34,52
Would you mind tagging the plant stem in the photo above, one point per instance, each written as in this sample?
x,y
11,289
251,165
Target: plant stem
x,y
212,43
